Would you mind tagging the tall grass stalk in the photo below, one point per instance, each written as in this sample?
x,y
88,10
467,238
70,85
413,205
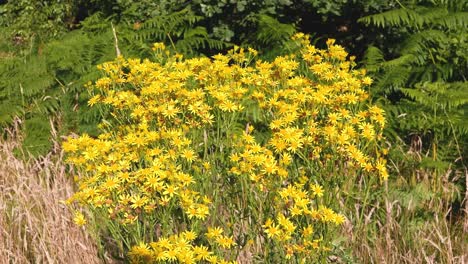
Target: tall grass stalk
x,y
35,227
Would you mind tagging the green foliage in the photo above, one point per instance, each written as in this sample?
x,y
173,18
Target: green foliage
x,y
337,7
178,29
271,31
241,21
273,34
25,20
418,17
420,78
51,83
445,105
25,89
432,50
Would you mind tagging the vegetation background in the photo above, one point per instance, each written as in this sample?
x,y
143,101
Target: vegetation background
x,y
414,50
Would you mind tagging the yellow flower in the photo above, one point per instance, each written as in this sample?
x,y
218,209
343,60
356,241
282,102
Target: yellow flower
x,y
289,252
317,190
171,110
170,190
189,235
138,201
159,46
295,211
308,231
69,146
188,154
367,81
154,182
367,130
79,219
339,219
273,231
111,183
214,233
225,242
330,42
201,253
202,211
140,251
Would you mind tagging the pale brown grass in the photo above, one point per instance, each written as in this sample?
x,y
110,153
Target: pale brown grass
x,y
393,234
35,227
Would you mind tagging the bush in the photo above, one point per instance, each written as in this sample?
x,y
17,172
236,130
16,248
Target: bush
x,y
225,158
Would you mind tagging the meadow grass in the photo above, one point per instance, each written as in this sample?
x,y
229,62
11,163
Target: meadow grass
x,y
35,225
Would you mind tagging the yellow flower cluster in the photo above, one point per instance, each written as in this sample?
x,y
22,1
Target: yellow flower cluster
x,y
172,123
126,177
179,248
317,123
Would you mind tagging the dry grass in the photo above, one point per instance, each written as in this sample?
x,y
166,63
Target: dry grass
x,y
392,234
35,227
432,242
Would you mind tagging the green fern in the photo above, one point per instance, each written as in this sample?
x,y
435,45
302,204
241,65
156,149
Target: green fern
x,y
424,81
395,18
447,100
51,83
373,59
272,32
417,17
178,30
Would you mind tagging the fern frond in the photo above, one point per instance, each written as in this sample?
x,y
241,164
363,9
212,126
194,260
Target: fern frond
x,y
158,27
420,42
449,100
429,14
51,84
440,95
373,59
404,60
394,18
395,77
271,30
452,21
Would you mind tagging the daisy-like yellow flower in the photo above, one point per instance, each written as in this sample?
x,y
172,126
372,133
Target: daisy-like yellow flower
x,y
317,190
79,219
214,233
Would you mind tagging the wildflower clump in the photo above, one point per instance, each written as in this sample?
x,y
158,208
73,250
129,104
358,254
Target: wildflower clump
x,y
177,247
228,154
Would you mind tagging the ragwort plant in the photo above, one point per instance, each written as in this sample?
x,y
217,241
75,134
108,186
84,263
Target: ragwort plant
x,y
222,160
